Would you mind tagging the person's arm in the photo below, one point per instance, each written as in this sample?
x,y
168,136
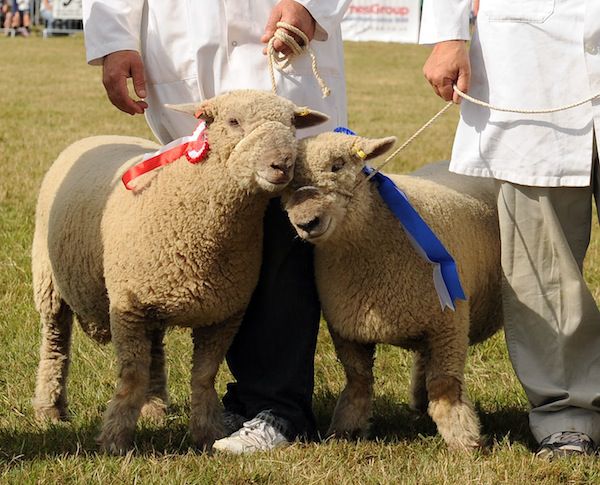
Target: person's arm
x,y
316,18
328,15
445,23
112,39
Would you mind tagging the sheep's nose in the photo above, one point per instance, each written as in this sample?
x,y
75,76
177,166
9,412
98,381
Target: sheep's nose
x,y
284,165
310,225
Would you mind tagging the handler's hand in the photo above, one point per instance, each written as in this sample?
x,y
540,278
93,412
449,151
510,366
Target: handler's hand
x,y
117,68
291,12
449,64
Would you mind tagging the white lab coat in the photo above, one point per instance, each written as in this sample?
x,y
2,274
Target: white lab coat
x,y
193,50
525,54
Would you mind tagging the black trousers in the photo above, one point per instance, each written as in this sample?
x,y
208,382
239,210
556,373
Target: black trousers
x,y
272,356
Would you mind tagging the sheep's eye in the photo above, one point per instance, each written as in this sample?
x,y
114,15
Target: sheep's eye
x,y
337,165
233,122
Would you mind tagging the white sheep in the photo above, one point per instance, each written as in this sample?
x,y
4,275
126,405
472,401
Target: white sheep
x,y
183,249
375,288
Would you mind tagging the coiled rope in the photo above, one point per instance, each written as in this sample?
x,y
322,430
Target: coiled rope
x,y
281,61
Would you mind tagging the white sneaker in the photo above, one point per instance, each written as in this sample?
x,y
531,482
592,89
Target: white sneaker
x,y
258,434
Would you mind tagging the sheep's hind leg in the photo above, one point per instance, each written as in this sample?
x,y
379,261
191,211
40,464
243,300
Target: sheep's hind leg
x,y
419,399
354,407
449,407
210,346
50,400
132,347
157,398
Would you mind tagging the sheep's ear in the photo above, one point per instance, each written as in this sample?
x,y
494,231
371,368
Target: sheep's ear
x,y
203,111
369,148
304,117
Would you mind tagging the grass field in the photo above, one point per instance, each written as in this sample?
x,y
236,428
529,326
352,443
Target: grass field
x,y
48,99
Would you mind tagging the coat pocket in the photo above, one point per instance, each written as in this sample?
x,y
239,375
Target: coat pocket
x,y
532,11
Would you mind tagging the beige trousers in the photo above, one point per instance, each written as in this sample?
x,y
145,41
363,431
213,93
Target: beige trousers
x,y
552,321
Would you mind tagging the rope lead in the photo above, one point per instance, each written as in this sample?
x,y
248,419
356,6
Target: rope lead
x,y
281,61
485,105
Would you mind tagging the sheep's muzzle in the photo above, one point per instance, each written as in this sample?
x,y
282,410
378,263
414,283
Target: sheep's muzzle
x,y
308,214
273,147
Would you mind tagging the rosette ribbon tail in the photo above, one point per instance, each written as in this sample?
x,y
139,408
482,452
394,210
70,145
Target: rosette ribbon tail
x,y
194,147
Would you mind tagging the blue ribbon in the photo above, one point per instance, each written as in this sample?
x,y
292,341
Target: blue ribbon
x,y
446,279
344,130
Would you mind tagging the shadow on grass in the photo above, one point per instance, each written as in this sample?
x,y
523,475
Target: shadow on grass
x,y
79,439
394,421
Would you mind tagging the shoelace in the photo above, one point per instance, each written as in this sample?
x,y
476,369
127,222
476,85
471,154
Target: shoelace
x,y
258,433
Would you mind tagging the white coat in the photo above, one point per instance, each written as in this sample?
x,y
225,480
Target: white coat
x,y
525,54
195,50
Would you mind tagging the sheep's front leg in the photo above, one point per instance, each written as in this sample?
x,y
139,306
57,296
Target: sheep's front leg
x,y
354,407
449,407
157,398
210,346
419,399
50,400
132,347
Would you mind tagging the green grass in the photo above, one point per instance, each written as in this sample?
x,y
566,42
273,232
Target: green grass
x,y
49,98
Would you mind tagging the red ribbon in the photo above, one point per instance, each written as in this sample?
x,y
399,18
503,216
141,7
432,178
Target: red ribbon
x,y
194,148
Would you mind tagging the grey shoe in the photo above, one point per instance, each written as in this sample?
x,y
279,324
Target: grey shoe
x,y
263,433
565,443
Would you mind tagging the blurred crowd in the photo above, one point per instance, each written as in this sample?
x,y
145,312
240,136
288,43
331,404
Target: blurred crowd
x,y
17,17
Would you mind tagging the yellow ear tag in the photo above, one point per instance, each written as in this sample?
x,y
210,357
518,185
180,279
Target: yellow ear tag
x,y
303,112
360,154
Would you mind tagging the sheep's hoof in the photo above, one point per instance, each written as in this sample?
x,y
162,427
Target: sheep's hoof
x,y
457,423
468,447
51,414
154,411
350,434
117,444
204,437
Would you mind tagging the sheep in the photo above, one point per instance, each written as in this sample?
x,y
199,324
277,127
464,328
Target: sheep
x,y
183,249
375,288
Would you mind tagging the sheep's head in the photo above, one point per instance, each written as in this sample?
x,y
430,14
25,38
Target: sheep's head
x,y
252,133
327,171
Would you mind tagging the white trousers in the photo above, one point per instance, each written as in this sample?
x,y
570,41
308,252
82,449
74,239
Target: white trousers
x,y
552,322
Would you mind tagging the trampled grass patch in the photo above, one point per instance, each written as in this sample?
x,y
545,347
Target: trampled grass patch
x,y
49,98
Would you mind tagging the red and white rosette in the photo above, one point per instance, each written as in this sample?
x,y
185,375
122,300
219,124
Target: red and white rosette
x,y
194,148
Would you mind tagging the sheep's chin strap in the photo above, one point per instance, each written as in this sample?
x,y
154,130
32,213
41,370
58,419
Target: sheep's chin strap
x,y
281,61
